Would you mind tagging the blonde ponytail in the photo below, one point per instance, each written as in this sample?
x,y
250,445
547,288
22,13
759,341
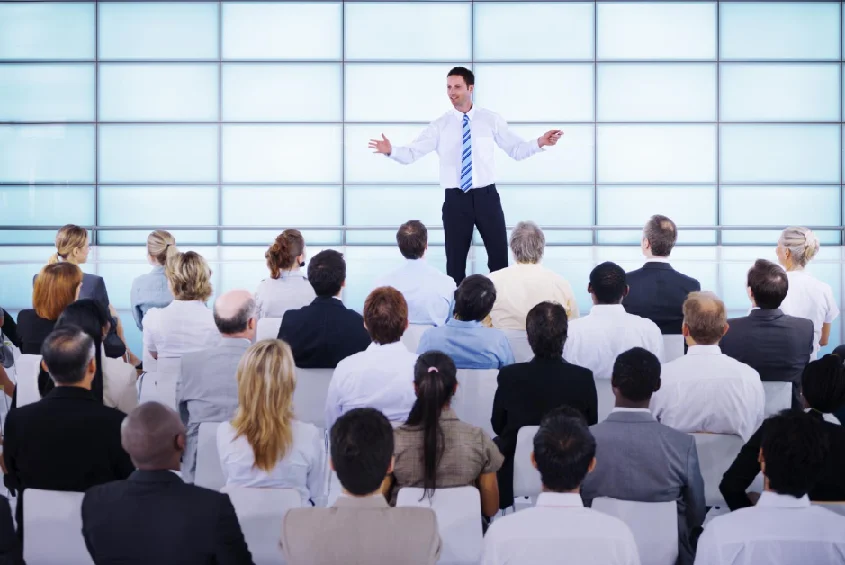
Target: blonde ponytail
x,y
161,246
68,238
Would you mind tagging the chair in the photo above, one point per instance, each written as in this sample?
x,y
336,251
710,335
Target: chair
x,y
27,369
716,452
473,403
309,397
606,398
209,473
837,506
260,513
522,352
526,479
412,336
654,525
778,397
160,385
458,521
53,528
267,328
673,347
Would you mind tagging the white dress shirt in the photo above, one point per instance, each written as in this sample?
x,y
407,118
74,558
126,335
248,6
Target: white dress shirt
x,y
303,467
522,286
182,327
119,385
290,291
596,339
779,530
445,135
381,377
810,298
428,292
707,391
559,531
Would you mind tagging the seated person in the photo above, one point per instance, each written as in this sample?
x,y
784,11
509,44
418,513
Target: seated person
x,y
360,528
382,376
528,391
705,390
287,288
434,449
154,517
151,290
55,287
325,332
464,337
559,530
641,459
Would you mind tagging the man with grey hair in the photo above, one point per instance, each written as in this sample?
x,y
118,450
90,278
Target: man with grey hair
x,y
207,390
522,286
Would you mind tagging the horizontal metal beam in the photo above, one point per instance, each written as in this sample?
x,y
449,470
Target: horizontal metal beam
x,y
393,228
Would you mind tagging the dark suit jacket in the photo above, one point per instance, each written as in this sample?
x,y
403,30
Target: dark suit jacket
x,y
11,552
156,518
32,330
526,392
657,292
323,333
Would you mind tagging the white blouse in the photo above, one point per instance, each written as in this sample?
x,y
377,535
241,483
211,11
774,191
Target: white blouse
x,y
290,291
810,298
183,326
119,385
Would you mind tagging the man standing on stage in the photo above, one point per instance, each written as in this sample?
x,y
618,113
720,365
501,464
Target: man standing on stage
x,y
463,138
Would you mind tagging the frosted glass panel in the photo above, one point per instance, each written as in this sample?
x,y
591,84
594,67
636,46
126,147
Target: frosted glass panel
x,y
158,92
503,88
158,153
771,30
780,93
396,205
571,160
644,92
42,92
665,153
780,153
536,32
158,30
362,165
43,206
282,31
51,153
47,31
657,31
264,153
282,92
550,206
396,32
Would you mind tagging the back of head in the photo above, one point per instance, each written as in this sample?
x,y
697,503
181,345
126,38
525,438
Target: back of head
x,y
661,234
768,284
794,449
546,325
233,310
68,238
281,256
706,317
412,239
385,315
161,246
527,243
823,384
608,283
67,352
92,318
327,272
802,244
474,298
564,449
636,375
153,436
189,276
361,450
55,287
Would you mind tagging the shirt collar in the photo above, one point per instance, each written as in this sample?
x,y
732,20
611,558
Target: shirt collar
x,y
560,500
397,345
775,500
291,275
373,501
460,115
704,350
158,269
618,409
463,323
607,310
657,260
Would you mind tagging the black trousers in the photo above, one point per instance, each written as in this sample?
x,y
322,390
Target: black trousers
x,y
478,207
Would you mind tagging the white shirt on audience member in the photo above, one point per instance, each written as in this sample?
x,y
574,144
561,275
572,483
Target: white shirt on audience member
x,y
779,530
559,530
522,286
428,292
119,385
182,327
707,391
810,298
291,291
595,340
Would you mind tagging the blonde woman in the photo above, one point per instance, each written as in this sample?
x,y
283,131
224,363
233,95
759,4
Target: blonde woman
x,y
808,297
264,446
287,288
151,290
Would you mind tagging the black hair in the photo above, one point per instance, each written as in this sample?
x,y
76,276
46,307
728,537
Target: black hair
x,y
636,374
794,447
327,272
66,352
468,76
546,325
92,318
608,283
768,284
474,298
823,384
563,449
361,449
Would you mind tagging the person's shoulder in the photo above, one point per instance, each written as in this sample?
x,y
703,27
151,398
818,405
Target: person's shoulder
x,y
687,280
107,413
111,489
304,429
418,519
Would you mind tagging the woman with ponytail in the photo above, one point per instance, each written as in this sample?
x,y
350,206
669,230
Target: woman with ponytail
x,y
151,290
287,288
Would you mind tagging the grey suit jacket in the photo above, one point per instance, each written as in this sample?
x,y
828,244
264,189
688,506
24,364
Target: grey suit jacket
x,y
638,458
207,391
360,531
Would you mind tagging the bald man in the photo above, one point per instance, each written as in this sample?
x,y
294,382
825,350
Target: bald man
x,y
153,516
207,390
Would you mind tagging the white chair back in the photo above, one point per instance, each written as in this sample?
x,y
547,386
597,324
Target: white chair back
x,y
837,507
412,336
27,368
209,473
473,402
53,528
309,398
458,521
160,385
654,525
673,347
267,328
260,513
526,479
518,339
778,397
606,399
716,452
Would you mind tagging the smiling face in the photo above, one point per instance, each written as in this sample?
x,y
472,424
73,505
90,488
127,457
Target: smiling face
x,y
459,93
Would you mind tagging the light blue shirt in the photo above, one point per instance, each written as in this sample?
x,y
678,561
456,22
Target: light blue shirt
x,y
149,291
428,292
471,345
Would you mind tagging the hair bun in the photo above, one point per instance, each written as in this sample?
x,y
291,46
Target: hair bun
x,y
811,244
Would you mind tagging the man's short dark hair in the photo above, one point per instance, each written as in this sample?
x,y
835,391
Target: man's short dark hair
x,y
67,352
361,449
546,325
412,239
327,272
795,447
823,384
768,284
608,283
474,298
563,449
661,233
464,72
239,322
636,374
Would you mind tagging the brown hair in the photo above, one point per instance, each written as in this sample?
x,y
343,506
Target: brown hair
x,y
281,256
55,288
385,315
768,284
661,233
189,276
161,246
412,238
705,316
68,238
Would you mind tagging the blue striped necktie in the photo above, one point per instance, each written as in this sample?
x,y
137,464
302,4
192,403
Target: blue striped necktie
x,y
466,157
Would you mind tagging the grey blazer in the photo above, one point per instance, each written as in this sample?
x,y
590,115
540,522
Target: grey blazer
x,y
638,458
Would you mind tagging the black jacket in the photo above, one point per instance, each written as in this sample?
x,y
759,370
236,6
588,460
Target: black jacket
x,y
657,292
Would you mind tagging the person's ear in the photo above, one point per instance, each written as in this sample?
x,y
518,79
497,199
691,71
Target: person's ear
x,y
331,465
533,460
685,330
589,288
727,327
627,290
455,390
390,468
179,442
762,461
657,384
92,366
470,88
44,367
407,325
250,324
416,390
592,465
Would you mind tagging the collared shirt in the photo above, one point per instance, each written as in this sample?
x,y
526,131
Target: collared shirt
x,y
428,292
445,135
469,344
657,260
559,530
522,286
707,391
182,327
810,298
381,377
596,339
149,291
779,530
290,291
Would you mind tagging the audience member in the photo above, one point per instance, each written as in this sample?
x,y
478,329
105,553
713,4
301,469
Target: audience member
x,y
287,288
782,528
382,375
528,391
11,552
705,390
427,291
641,459
464,338
559,530
154,517
55,287
522,286
325,332
775,345
596,339
434,449
264,446
152,289
208,390
657,291
360,528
